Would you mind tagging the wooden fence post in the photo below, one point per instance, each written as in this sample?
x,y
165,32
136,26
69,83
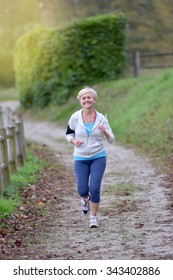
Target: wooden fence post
x,y
11,144
1,181
4,158
137,64
20,149
1,118
22,139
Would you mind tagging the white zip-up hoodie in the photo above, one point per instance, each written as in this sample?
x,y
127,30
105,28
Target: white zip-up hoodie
x,y
93,143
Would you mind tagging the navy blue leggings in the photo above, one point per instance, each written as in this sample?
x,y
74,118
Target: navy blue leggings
x,y
89,174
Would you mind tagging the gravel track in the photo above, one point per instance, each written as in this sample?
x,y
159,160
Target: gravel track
x,y
136,223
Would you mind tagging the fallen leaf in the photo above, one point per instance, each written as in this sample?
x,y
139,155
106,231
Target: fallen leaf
x,y
40,203
48,191
95,248
138,225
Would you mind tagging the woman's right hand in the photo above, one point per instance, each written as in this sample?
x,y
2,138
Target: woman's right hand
x,y
76,142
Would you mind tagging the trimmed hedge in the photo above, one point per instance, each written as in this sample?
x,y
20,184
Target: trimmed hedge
x,y
50,63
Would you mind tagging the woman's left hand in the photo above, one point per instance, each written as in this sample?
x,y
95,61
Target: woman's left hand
x,y
103,130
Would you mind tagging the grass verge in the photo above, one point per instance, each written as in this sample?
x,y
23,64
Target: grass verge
x,y
8,94
28,174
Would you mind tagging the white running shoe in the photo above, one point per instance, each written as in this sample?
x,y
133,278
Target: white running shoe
x,y
93,222
85,206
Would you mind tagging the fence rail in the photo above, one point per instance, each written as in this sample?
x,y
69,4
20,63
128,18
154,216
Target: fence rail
x,y
151,60
12,145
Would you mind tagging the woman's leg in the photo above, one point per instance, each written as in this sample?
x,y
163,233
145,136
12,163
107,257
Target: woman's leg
x,y
97,170
82,172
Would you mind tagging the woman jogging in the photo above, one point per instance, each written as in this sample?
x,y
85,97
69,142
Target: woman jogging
x,y
86,130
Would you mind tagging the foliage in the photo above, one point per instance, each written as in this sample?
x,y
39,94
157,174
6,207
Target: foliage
x,y
51,63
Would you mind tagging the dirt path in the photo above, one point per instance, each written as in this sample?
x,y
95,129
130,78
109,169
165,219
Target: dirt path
x,y
135,223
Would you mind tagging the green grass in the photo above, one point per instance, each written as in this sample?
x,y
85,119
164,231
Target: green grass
x,y
141,113
55,113
25,175
122,188
8,94
7,207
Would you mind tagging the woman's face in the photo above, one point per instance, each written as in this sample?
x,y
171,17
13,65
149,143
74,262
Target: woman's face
x,y
87,100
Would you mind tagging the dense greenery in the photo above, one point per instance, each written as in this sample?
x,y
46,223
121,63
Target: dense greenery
x,y
51,63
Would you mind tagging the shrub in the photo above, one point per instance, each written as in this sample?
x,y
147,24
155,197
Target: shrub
x,y
51,63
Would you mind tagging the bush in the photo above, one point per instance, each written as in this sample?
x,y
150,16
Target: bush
x,y
51,63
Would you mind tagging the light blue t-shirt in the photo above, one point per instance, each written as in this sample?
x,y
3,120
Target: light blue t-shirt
x,y
89,127
101,154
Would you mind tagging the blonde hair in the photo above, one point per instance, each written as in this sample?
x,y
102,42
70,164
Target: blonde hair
x,y
85,90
